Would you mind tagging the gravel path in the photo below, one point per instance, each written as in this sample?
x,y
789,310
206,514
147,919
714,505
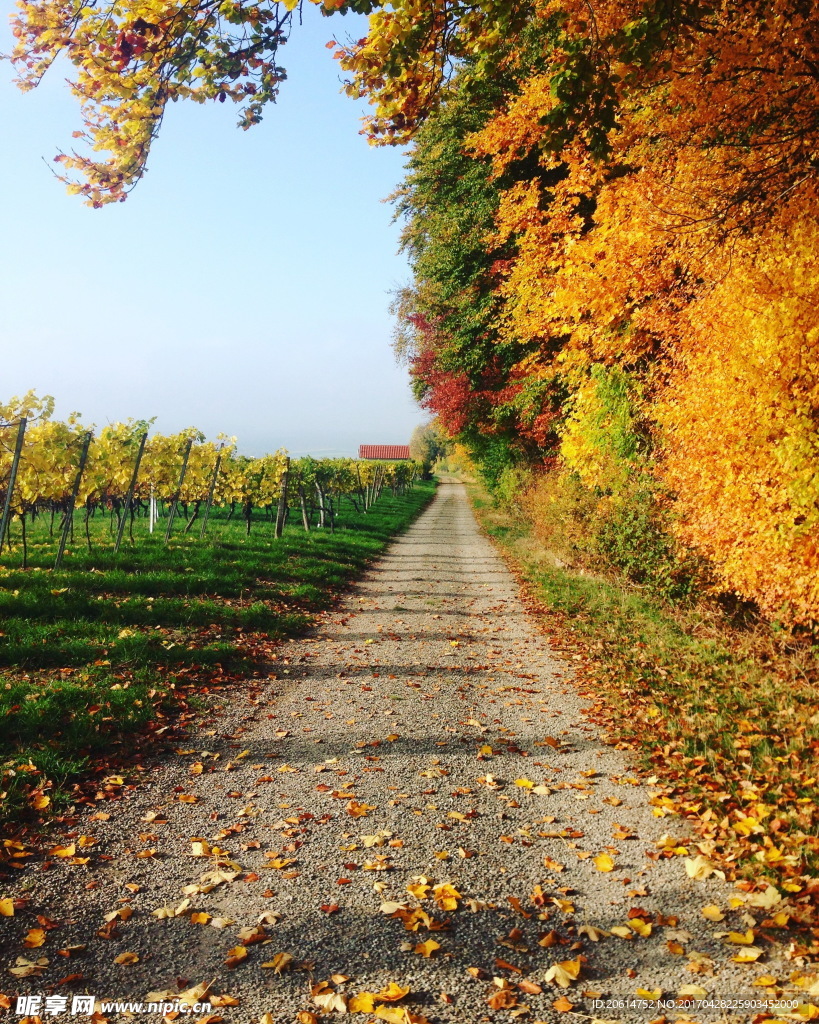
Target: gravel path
x,y
423,734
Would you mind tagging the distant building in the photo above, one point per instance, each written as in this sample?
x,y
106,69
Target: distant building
x,y
391,452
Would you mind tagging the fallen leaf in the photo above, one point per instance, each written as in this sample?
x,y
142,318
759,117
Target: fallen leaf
x,y
701,868
363,1002
426,949
564,973
223,1000
280,962
236,956
127,958
63,851
712,913
748,956
603,862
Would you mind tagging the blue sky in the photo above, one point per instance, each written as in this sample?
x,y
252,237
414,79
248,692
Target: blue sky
x,y
244,285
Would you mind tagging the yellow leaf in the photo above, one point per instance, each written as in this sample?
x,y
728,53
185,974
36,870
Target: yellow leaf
x,y
358,810
694,991
426,949
701,868
713,913
393,992
6,907
279,962
236,956
564,973
603,862
364,1002
392,1014
200,918
643,928
36,937
223,1000
649,993
525,783
419,889
126,958
446,896
742,938
266,1018
748,956
63,851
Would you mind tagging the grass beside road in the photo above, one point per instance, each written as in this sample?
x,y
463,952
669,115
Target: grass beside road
x,y
114,645
725,714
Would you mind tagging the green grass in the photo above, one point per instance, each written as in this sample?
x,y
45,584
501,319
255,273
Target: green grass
x,y
724,714
93,652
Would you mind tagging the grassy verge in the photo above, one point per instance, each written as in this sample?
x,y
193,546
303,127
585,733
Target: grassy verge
x,y
101,653
725,717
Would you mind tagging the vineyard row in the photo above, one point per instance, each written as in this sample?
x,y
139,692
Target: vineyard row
x,y
52,468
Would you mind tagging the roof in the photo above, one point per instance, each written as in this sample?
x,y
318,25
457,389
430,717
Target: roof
x,y
383,451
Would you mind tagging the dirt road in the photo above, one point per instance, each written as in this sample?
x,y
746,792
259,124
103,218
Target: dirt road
x,y
423,736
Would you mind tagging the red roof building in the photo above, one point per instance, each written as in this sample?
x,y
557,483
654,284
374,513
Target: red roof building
x,y
383,451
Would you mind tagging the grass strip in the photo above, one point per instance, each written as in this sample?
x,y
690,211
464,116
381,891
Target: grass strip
x,y
725,717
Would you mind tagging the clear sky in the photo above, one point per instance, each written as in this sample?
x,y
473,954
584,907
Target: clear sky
x,y
244,285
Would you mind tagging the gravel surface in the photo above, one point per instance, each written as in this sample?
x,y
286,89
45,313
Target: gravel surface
x,y
425,728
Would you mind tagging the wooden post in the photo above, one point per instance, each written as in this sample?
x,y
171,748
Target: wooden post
x,y
15,462
361,489
281,511
129,499
69,514
320,494
178,491
211,490
304,517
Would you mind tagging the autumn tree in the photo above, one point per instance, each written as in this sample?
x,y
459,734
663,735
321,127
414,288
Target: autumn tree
x,y
428,444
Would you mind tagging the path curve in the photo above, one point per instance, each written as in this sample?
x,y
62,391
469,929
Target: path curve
x,y
387,745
